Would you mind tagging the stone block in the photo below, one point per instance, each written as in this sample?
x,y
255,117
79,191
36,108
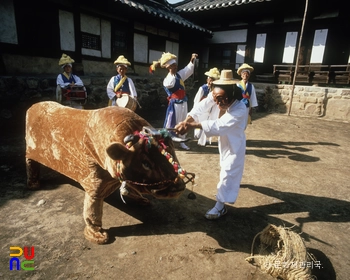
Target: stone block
x,y
32,83
345,92
337,109
311,99
312,110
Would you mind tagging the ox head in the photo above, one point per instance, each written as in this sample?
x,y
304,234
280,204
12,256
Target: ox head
x,y
146,164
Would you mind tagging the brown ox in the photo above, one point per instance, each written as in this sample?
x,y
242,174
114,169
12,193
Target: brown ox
x,y
102,150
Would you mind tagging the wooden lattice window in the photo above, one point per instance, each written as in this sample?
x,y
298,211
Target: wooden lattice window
x,y
119,40
91,41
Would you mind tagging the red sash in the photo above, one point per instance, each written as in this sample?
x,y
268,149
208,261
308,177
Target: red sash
x,y
179,94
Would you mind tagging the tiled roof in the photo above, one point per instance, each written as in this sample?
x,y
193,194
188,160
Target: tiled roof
x,y
202,5
165,11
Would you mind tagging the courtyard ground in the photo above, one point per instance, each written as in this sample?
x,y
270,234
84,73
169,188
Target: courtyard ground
x,y
296,174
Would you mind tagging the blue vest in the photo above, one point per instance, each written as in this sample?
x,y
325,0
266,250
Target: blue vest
x,y
70,80
179,84
125,87
206,90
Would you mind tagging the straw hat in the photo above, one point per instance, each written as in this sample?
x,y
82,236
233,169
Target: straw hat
x,y
121,60
167,59
213,73
226,78
245,67
65,59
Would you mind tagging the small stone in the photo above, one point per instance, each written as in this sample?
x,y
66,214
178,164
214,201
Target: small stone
x,y
41,202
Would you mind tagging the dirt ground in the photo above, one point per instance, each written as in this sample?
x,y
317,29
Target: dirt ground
x,y
296,174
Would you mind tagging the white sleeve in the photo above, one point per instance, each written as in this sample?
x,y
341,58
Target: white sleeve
x,y
202,107
78,81
110,88
60,81
253,99
132,88
186,72
198,96
169,81
234,117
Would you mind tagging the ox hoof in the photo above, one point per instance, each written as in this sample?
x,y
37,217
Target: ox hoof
x,y
99,237
33,185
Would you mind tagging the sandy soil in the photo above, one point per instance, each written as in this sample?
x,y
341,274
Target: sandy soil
x,y
296,174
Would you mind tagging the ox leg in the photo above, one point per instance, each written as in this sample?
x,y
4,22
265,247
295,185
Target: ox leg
x,y
93,209
33,174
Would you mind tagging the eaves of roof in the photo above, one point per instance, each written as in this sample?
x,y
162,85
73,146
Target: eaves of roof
x,y
156,9
204,5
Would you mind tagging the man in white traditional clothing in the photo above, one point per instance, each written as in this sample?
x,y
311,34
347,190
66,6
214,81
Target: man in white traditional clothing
x,y
120,84
248,89
230,128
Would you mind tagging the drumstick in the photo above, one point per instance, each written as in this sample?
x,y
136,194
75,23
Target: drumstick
x,y
138,103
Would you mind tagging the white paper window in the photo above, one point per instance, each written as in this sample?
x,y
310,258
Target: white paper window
x,y
260,48
289,47
154,56
172,47
8,29
140,48
67,36
240,54
318,46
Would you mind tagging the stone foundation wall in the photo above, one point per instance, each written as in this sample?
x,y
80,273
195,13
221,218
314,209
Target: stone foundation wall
x,y
312,101
20,92
327,102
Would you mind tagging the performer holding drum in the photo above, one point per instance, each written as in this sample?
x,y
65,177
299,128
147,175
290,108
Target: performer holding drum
x,y
121,89
70,88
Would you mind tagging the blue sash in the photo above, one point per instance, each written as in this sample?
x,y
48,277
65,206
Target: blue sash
x,y
125,87
246,93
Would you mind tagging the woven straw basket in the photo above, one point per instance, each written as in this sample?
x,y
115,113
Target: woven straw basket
x,y
282,254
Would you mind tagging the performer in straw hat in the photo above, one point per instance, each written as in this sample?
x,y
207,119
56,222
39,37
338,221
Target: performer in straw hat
x,y
248,90
203,91
120,83
175,88
232,141
67,80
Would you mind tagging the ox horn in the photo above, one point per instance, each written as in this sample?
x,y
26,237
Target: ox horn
x,y
131,138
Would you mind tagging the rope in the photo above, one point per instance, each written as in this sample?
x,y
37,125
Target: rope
x,y
148,140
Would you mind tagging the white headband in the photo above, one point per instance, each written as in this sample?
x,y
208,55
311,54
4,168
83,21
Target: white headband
x,y
245,70
64,65
171,61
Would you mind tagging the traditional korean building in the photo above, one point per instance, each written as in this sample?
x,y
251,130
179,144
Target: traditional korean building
x,y
34,34
265,33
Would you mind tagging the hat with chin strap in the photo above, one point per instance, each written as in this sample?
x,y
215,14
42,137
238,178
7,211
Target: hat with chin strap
x,y
245,67
226,78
